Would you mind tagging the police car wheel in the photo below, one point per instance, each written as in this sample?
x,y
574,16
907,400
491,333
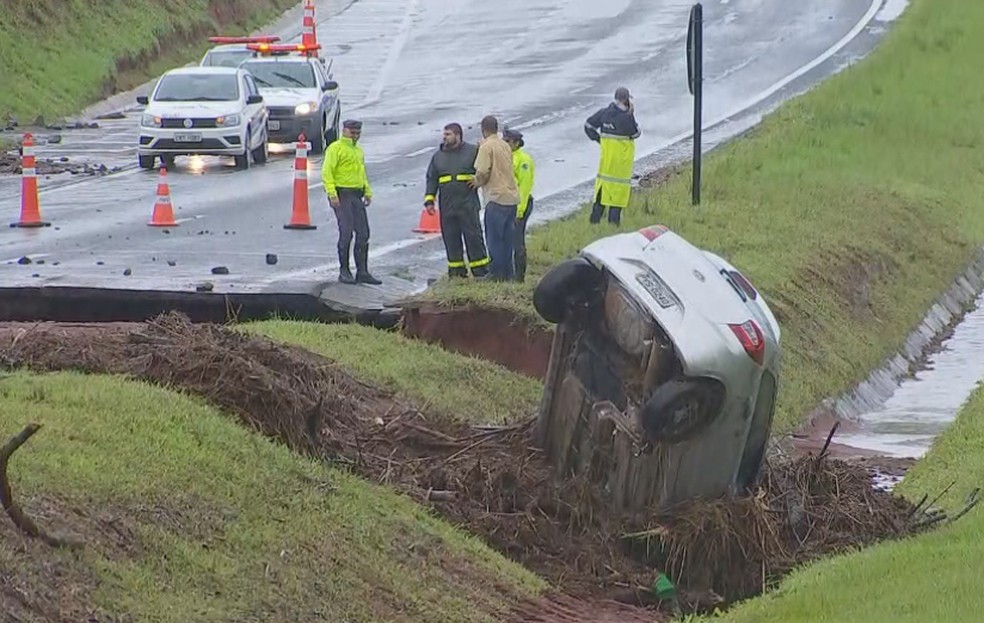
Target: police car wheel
x,y
242,161
146,162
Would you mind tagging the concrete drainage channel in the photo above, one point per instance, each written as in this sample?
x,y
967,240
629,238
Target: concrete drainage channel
x,y
897,411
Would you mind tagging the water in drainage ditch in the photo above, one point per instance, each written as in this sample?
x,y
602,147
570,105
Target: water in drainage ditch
x,y
923,406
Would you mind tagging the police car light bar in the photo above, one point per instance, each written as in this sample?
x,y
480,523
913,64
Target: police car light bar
x,y
285,48
259,39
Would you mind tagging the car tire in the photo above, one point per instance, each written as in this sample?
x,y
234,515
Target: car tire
x,y
660,414
261,153
168,162
146,162
335,130
318,139
242,162
564,286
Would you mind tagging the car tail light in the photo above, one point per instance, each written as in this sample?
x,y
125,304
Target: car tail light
x,y
744,284
654,232
750,336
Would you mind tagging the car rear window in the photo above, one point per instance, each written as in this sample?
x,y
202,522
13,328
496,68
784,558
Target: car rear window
x,y
228,58
281,75
197,88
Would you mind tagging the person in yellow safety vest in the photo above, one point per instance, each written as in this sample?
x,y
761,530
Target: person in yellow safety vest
x,y
616,129
343,173
523,168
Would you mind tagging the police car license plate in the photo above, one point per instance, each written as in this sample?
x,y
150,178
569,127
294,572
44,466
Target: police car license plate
x,y
273,124
187,138
655,286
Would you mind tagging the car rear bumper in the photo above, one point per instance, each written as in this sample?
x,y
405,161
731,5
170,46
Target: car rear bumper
x,y
211,141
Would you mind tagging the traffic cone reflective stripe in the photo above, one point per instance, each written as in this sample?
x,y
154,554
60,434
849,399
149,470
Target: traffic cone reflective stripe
x,y
309,33
300,217
30,215
429,223
163,211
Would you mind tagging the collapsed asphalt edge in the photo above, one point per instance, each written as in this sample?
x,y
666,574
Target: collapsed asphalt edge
x,y
79,304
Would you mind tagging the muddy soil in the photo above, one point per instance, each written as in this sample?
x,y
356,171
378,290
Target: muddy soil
x,y
491,481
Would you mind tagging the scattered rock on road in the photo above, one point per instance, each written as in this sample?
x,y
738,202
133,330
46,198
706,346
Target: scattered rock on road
x,y
220,270
271,258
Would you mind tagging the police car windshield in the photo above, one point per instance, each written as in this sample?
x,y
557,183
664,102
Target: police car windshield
x,y
198,88
283,75
226,58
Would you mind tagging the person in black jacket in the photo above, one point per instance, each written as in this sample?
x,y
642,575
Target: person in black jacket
x,y
615,128
450,169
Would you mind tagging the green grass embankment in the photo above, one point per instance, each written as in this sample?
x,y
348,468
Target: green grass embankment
x,y
933,577
851,207
434,379
187,516
57,56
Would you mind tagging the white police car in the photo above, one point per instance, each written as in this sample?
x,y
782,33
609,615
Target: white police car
x,y
215,111
300,94
232,50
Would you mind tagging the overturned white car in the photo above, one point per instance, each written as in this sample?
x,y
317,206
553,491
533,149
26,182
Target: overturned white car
x,y
679,342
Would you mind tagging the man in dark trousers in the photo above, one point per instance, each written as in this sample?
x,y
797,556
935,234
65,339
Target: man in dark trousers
x,y
615,128
450,169
494,175
343,173
523,169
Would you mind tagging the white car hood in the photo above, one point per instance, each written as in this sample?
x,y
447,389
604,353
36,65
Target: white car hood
x,y
288,97
192,109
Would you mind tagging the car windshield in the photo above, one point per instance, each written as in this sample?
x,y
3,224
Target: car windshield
x,y
226,58
273,74
198,88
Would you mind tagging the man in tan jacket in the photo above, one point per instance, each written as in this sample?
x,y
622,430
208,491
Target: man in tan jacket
x,y
494,175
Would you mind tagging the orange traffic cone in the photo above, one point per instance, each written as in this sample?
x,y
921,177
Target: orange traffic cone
x,y
309,32
30,215
429,223
300,218
163,211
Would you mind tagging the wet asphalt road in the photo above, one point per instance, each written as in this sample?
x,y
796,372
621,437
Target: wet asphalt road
x,y
407,67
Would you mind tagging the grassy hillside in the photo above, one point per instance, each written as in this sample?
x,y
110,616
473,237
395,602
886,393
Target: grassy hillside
x,y
851,207
57,56
929,578
464,388
187,516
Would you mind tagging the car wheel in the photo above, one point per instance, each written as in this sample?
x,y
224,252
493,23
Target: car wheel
x,y
333,132
146,162
680,409
242,162
318,139
261,153
563,286
168,162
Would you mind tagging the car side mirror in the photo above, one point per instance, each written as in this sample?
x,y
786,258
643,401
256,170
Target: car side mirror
x,y
331,85
143,99
254,99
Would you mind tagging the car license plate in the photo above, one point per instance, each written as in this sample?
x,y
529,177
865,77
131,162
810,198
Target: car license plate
x,y
273,124
187,138
655,286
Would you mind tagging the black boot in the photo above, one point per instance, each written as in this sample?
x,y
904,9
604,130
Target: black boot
x,y
362,274
344,274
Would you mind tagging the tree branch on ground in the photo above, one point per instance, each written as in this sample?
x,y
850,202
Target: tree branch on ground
x,y
22,521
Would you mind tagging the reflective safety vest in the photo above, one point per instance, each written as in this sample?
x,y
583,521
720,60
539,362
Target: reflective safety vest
x,y
616,129
523,168
447,178
344,166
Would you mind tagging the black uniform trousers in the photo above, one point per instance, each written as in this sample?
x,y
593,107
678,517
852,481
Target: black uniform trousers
x,y
462,222
519,242
352,219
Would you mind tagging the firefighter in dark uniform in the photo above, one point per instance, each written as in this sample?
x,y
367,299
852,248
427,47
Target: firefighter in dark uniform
x,y
615,128
450,168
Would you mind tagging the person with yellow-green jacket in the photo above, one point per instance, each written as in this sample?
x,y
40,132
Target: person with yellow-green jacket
x,y
615,128
523,169
343,173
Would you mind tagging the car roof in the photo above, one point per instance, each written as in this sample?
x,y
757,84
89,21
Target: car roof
x,y
286,58
215,70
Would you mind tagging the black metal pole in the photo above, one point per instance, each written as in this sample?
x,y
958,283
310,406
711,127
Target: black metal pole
x,y
695,63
